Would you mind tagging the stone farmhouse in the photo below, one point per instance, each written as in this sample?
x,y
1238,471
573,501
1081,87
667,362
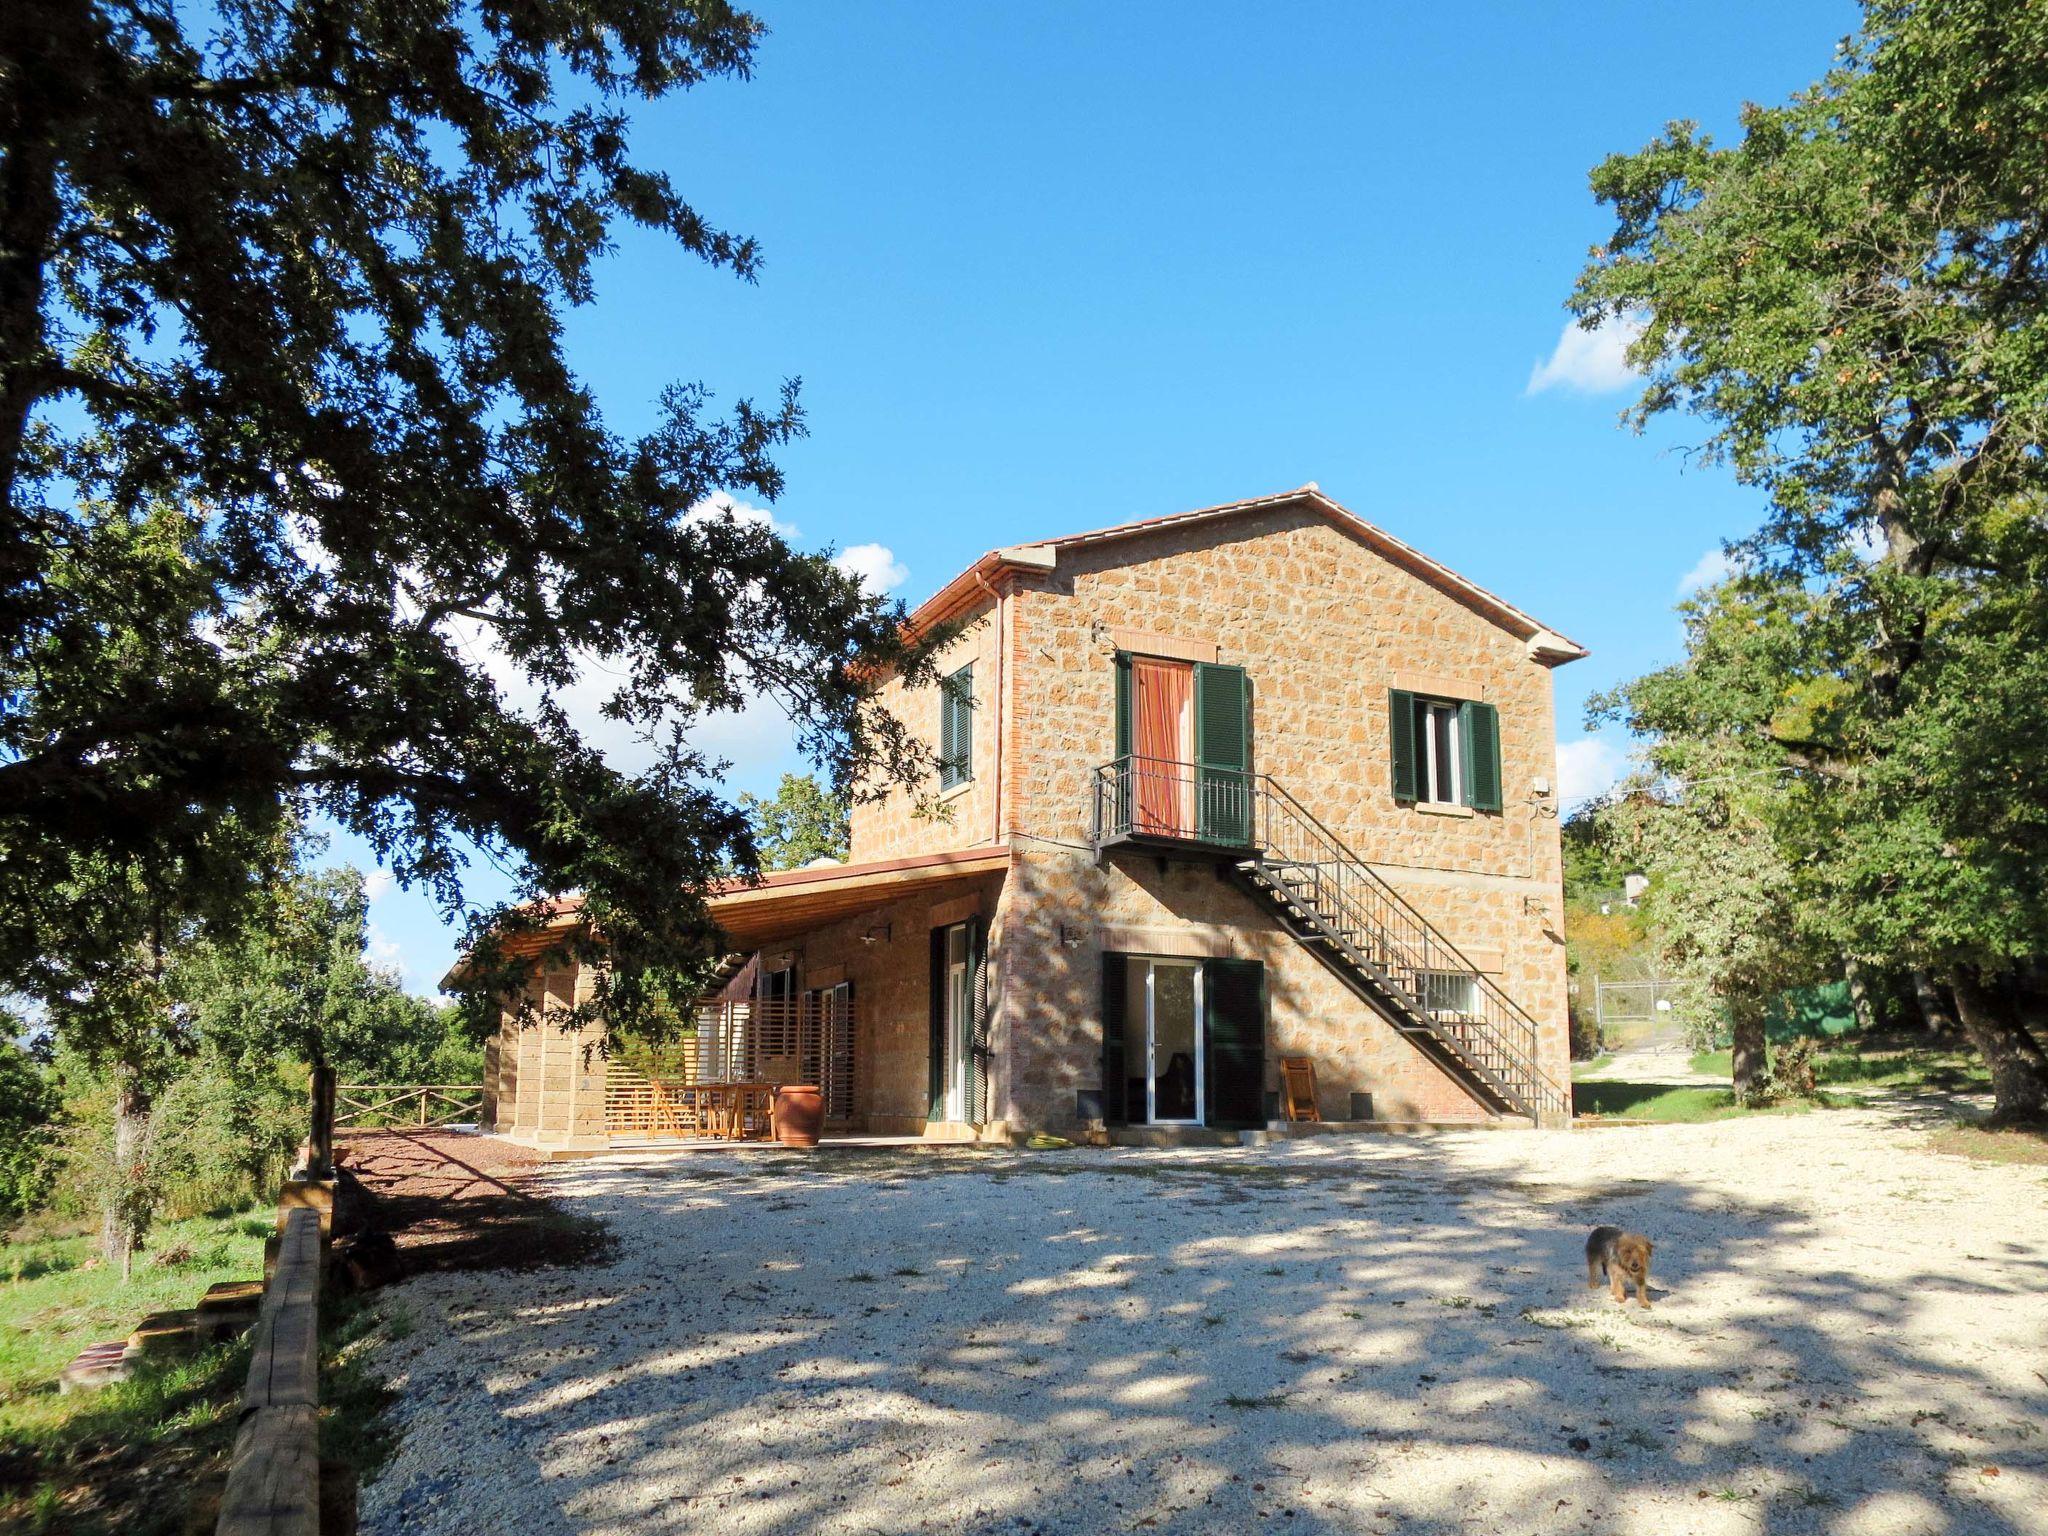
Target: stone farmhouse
x,y
1219,792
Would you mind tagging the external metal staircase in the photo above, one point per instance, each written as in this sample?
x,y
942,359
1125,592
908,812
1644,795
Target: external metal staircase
x,y
1330,900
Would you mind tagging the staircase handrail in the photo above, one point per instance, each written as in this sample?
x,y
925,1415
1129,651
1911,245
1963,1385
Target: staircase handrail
x,y
1543,1085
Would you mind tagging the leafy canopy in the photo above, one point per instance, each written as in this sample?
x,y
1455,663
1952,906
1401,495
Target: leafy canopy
x,y
801,823
1852,301
291,461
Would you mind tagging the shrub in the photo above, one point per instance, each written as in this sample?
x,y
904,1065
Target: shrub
x,y
28,1133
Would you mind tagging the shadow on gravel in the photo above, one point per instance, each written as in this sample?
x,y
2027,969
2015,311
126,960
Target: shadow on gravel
x,y
1382,1340
459,1201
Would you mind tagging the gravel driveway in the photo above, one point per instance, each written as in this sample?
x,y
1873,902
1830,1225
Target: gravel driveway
x,y
1362,1334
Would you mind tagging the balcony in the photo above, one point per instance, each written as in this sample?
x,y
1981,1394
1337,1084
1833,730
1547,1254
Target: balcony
x,y
1156,803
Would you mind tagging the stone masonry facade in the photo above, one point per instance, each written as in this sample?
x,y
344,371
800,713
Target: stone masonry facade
x,y
1325,627
1324,623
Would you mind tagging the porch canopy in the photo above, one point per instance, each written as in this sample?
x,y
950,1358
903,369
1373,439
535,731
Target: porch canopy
x,y
796,901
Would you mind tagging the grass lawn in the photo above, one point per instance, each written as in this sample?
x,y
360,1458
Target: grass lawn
x,y
1655,1101
1906,1062
124,1457
2013,1146
1581,1068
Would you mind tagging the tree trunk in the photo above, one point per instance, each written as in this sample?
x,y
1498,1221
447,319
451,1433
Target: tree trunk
x,y
125,1217
2019,1068
1862,996
1937,1009
1748,1053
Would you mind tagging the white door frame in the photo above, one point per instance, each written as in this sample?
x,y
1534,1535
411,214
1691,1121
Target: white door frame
x,y
958,1041
1152,1043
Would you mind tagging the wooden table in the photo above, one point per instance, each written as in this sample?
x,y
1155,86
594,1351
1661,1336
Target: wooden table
x,y
726,1107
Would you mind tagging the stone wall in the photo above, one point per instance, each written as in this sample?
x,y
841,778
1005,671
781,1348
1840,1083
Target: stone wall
x,y
908,822
1324,627
1061,912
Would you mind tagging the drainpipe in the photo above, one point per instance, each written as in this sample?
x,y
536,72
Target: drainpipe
x,y
995,1004
1002,647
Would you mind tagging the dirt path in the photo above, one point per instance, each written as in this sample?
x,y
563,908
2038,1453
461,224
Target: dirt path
x,y
1662,1058
1371,1334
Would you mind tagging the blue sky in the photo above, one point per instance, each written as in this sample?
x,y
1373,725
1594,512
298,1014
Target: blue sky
x,y
1047,267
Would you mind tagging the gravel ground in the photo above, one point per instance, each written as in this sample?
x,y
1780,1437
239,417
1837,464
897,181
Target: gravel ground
x,y
1360,1334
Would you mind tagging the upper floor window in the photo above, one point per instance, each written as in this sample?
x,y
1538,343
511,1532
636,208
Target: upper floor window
x,y
956,728
1439,774
1445,751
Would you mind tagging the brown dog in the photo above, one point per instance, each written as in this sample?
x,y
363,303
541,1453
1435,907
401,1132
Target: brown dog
x,y
1624,1257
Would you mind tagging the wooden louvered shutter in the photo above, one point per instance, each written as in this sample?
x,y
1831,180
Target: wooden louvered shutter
x,y
1234,1042
956,728
1479,725
978,1069
1223,748
1401,741
1115,986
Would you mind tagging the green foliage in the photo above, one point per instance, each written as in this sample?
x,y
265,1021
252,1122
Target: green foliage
x,y
802,823
28,1110
293,470
1594,867
1851,303
227,1065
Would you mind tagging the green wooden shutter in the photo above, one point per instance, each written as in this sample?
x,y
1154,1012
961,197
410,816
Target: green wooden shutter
x,y
949,748
1479,726
1123,704
1223,748
1115,981
1234,1042
956,728
1121,802
1401,741
937,1072
978,1085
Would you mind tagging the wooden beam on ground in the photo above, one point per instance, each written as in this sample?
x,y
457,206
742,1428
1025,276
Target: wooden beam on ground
x,y
274,1477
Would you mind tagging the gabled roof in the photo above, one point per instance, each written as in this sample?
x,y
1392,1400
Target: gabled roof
x,y
1545,644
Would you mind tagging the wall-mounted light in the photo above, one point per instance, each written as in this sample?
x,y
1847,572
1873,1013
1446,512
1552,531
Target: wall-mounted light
x,y
879,934
1072,937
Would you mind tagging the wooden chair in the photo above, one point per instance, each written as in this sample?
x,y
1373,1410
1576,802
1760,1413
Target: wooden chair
x,y
1298,1088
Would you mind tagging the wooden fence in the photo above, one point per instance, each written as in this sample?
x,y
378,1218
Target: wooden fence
x,y
807,1039
274,1477
371,1106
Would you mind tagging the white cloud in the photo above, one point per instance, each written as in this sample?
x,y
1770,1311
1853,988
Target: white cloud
x,y
1710,570
719,504
876,565
384,950
1585,768
1592,362
377,883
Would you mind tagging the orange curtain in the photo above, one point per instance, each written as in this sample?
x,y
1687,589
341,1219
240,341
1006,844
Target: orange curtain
x,y
1164,692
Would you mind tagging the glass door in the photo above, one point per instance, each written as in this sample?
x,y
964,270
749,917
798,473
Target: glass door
x,y
1173,1042
959,1030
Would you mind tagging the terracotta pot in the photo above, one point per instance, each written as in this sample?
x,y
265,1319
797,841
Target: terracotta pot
x,y
799,1114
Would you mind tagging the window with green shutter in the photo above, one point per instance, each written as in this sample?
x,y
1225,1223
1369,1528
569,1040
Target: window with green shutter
x,y
1444,751
956,728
